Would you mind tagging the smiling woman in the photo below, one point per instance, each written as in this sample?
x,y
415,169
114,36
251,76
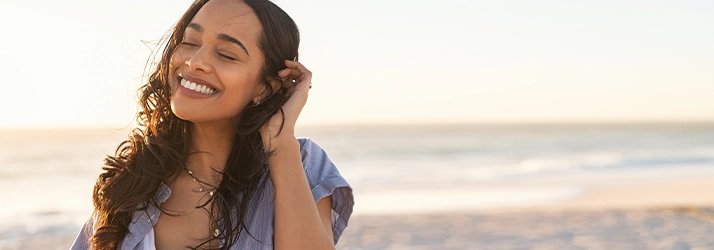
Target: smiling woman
x,y
215,163
216,69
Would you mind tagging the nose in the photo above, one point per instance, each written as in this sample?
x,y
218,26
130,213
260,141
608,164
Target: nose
x,y
200,60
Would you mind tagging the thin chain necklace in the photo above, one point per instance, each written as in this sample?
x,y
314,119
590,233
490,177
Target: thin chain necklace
x,y
201,188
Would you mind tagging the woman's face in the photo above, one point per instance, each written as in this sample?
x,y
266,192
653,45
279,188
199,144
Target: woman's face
x,y
214,72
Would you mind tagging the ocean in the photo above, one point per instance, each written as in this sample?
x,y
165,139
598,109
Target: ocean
x,y
47,175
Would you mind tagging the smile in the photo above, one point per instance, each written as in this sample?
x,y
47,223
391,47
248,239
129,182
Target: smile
x,y
197,87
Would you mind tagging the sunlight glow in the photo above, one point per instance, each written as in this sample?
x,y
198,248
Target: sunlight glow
x,y
396,61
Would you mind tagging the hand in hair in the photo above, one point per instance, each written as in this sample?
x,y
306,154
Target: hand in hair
x,y
281,126
299,222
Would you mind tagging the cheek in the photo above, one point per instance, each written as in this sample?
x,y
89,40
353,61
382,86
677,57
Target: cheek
x,y
180,55
175,64
176,60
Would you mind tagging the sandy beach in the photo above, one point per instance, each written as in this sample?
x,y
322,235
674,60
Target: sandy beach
x,y
657,228
654,214
659,214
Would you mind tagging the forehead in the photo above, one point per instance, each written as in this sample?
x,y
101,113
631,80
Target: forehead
x,y
231,17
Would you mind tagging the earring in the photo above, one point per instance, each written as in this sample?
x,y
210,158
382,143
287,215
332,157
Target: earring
x,y
255,103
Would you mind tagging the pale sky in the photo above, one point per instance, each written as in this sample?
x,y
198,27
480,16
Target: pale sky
x,y
79,62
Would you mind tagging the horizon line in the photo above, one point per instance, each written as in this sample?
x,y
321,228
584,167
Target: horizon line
x,y
397,123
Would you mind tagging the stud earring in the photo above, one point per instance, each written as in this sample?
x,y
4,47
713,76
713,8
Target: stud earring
x,y
255,103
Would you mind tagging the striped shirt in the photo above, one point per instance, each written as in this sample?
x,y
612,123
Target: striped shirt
x,y
324,180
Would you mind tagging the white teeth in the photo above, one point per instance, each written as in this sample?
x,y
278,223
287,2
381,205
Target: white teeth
x,y
197,87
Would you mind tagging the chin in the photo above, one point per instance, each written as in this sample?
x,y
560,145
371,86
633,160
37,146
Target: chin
x,y
179,112
196,116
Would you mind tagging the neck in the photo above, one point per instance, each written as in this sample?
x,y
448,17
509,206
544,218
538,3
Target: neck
x,y
209,150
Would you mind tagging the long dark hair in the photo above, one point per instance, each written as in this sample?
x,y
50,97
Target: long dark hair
x,y
157,149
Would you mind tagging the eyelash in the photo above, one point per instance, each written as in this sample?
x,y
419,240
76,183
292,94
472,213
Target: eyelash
x,y
189,44
222,55
227,57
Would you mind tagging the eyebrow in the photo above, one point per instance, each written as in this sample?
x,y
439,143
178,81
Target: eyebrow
x,y
221,36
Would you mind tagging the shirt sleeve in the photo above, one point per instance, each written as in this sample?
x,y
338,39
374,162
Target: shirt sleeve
x,y
82,240
325,180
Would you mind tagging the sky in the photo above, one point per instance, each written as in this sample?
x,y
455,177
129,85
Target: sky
x,y
79,62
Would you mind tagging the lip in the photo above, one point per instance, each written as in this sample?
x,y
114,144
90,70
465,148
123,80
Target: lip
x,y
197,80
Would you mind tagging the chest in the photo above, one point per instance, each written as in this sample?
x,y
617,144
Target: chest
x,y
176,232
185,221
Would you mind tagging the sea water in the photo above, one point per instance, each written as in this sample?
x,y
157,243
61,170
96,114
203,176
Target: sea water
x,y
46,176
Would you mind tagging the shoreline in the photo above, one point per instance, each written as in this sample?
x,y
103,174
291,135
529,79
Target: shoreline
x,y
554,193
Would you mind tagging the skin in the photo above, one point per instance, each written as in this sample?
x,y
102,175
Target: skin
x,y
233,72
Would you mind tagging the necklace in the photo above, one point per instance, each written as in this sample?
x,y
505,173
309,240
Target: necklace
x,y
201,188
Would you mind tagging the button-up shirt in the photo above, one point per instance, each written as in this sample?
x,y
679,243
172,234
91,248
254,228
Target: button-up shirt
x,y
322,175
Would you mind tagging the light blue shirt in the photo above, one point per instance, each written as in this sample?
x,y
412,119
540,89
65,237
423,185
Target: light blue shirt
x,y
322,175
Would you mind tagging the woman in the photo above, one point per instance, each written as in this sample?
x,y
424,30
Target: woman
x,y
215,163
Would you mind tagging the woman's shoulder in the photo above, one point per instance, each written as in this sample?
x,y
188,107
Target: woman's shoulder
x,y
307,144
319,168
303,141
313,156
325,180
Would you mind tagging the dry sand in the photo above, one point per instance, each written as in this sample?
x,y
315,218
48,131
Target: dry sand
x,y
645,214
641,214
577,229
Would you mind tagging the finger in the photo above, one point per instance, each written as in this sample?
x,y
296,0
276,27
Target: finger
x,y
285,72
288,81
301,74
292,74
288,78
291,81
289,73
300,68
297,65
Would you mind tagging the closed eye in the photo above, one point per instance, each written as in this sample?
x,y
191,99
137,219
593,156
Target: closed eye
x,y
227,57
188,44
